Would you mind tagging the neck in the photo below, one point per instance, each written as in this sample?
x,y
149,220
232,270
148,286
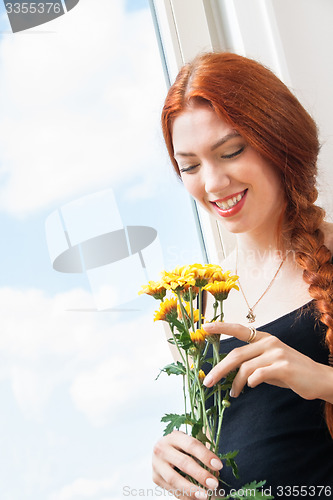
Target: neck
x,y
259,247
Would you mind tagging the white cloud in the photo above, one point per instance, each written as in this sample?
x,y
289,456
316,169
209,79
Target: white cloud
x,y
80,106
84,488
129,479
107,365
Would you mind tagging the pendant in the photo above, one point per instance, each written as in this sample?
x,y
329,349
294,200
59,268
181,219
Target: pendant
x,y
250,316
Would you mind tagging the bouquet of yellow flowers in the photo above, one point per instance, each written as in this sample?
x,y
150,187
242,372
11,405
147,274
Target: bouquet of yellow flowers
x,y
181,294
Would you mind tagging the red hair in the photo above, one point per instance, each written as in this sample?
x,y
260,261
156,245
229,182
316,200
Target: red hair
x,y
262,109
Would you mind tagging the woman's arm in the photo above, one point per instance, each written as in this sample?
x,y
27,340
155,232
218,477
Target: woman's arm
x,y
269,360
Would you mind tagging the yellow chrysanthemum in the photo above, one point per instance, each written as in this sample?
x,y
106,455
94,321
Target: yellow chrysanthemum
x,y
199,336
175,281
186,295
219,275
202,273
221,289
201,374
188,310
154,288
195,275
167,310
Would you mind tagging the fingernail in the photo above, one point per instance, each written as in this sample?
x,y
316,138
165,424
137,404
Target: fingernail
x,y
216,463
212,483
200,494
208,380
232,393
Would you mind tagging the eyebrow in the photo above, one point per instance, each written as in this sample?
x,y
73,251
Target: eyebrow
x,y
217,144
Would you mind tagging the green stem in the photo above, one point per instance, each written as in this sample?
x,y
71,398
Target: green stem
x,y
217,395
191,308
215,306
204,353
184,396
176,343
203,412
221,309
221,413
183,310
190,392
200,306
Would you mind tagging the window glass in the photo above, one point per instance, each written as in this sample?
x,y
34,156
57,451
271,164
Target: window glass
x,y
89,211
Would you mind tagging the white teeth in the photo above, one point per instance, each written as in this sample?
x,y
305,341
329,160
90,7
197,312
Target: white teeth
x,y
231,202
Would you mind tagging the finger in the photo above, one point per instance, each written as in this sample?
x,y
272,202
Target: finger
x,y
175,483
268,374
184,452
189,466
247,370
240,332
195,448
233,360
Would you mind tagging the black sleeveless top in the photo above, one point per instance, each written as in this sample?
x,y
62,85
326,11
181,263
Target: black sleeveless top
x,y
281,437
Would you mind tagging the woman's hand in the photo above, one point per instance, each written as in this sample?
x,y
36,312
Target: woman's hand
x,y
269,360
182,451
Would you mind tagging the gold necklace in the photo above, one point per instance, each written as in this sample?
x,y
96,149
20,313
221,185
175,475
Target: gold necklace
x,y
251,317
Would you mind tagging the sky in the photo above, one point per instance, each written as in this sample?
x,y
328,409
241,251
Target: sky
x,y
80,101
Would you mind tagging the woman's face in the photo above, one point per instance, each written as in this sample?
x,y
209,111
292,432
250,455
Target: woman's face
x,y
224,174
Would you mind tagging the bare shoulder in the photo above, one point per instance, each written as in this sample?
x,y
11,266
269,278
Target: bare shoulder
x,y
327,228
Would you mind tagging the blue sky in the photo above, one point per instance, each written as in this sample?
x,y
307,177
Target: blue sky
x,y
80,115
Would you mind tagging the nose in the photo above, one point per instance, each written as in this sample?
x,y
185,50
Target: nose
x,y
216,178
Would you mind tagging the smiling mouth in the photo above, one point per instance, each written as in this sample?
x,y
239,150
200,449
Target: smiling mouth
x,y
230,202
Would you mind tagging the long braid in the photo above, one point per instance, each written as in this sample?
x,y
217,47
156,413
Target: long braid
x,y
311,254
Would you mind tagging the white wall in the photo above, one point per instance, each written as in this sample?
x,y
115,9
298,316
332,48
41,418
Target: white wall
x,y
306,34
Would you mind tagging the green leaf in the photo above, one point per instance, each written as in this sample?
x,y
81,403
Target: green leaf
x,y
257,490
230,454
202,437
251,490
230,461
196,429
173,369
175,421
234,467
179,325
185,341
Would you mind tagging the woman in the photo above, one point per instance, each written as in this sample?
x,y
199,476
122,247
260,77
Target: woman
x,y
246,150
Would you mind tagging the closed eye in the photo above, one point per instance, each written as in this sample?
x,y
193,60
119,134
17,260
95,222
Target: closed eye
x,y
233,155
188,169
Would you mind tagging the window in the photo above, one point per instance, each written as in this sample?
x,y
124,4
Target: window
x,y
87,197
